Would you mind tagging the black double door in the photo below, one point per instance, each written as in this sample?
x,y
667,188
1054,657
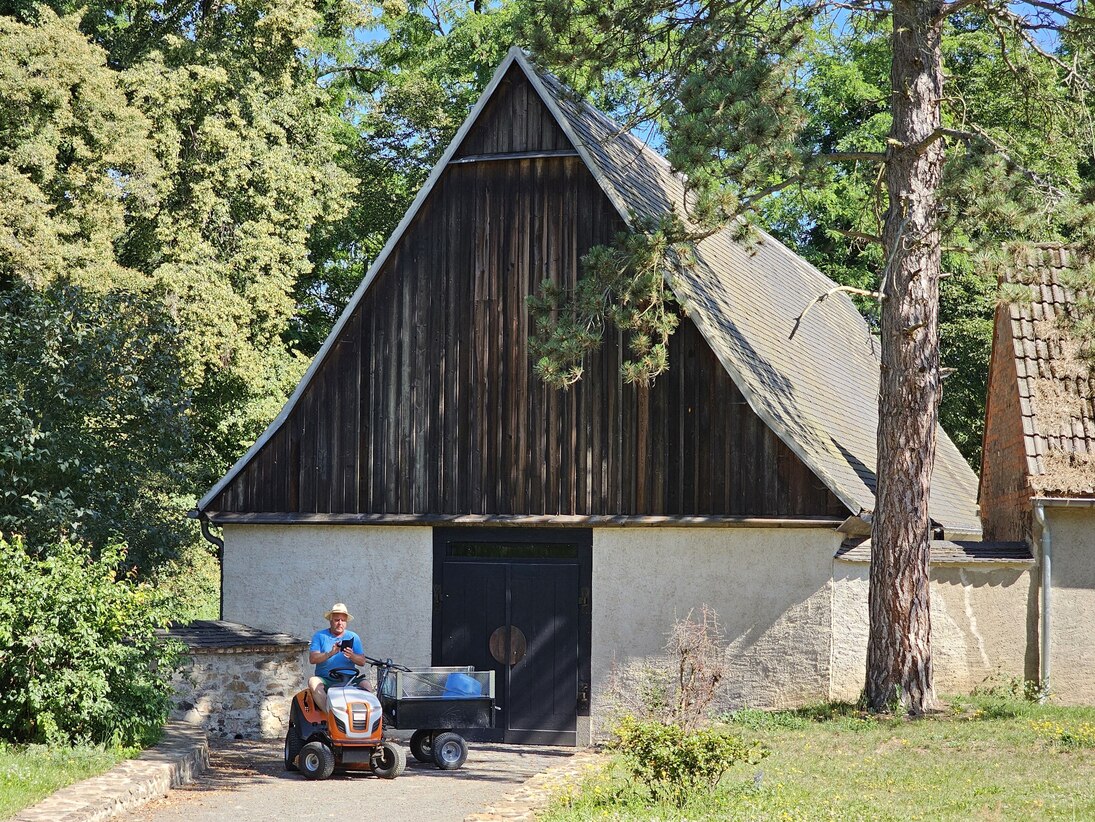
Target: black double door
x,y
517,603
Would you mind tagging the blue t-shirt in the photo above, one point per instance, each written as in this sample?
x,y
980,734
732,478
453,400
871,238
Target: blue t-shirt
x,y
324,641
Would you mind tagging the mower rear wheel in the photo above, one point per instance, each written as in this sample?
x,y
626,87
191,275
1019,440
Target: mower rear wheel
x,y
317,761
422,745
449,750
389,760
293,744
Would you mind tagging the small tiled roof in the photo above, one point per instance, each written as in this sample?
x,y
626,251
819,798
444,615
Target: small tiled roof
x,y
213,634
948,552
818,390
1056,387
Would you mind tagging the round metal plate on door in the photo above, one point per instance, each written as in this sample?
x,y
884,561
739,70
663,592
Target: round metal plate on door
x,y
518,646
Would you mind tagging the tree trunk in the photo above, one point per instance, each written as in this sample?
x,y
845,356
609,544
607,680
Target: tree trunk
x,y
899,664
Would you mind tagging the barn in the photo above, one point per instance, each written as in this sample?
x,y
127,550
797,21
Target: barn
x,y
421,473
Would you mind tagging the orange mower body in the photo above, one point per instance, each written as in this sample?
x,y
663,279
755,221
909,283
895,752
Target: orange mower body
x,y
348,736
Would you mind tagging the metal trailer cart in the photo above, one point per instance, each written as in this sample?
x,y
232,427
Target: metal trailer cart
x,y
435,702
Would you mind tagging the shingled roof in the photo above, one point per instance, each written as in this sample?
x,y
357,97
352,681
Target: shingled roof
x,y
817,390
949,552
1056,384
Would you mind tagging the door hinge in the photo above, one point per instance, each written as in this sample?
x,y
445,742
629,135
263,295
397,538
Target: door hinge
x,y
437,596
583,696
584,600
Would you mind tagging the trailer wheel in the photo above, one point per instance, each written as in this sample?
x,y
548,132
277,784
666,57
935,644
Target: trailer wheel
x,y
388,760
422,746
293,744
317,761
449,750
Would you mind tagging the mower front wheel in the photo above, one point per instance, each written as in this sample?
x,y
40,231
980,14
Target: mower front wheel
x,y
389,760
317,761
449,750
422,745
293,744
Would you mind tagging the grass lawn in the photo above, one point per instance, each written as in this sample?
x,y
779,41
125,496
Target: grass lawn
x,y
986,758
30,773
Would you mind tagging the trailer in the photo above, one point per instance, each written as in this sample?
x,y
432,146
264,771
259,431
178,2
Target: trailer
x,y
436,703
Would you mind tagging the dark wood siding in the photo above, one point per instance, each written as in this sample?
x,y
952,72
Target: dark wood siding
x,y
427,404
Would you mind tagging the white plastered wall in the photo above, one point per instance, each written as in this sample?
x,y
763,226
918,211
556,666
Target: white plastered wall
x,y
770,587
982,626
1072,623
283,578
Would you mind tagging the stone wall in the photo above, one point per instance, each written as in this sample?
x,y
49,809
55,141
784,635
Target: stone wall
x,y
984,626
769,586
241,690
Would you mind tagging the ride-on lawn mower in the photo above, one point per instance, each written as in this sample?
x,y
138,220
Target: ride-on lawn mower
x,y
348,736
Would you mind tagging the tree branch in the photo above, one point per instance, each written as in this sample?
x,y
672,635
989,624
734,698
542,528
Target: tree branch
x,y
954,7
855,235
822,297
348,70
852,156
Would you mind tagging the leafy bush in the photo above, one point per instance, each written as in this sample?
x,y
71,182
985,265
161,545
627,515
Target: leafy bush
x,y
80,658
673,762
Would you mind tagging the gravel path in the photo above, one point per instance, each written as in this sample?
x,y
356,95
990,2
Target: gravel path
x,y
246,781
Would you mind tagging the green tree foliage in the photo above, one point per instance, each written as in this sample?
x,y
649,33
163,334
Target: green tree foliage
x,y
75,157
79,655
405,88
163,169
92,419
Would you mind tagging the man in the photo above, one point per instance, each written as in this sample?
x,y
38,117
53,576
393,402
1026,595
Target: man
x,y
333,649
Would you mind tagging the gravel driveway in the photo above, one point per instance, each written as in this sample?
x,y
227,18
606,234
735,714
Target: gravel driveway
x,y
246,781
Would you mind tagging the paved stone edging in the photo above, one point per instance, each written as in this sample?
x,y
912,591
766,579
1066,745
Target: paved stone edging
x,y
181,754
521,804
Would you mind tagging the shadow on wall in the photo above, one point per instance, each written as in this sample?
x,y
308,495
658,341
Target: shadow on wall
x,y
984,625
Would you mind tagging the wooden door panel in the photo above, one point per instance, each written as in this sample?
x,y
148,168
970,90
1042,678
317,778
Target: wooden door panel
x,y
544,683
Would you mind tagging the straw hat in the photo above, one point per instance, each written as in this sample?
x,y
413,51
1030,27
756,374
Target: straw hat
x,y
339,608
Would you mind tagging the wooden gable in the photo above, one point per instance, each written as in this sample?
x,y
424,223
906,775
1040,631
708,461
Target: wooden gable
x,y
426,403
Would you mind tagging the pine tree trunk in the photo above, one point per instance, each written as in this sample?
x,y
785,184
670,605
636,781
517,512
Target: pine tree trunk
x,y
899,664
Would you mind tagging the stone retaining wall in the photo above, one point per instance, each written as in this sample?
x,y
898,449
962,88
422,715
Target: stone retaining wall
x,y
238,682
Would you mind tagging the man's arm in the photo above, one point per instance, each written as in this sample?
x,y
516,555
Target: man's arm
x,y
316,657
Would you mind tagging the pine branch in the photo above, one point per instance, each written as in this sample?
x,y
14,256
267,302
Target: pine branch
x,y
855,235
977,133
956,6
863,292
